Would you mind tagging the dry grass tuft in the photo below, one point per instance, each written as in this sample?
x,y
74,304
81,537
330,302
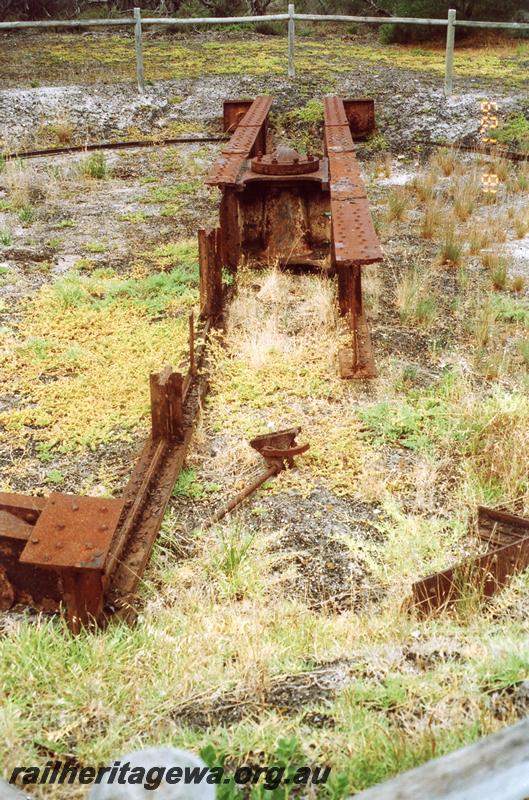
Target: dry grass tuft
x,y
521,225
451,252
518,284
478,237
432,219
413,299
445,160
397,205
424,185
25,185
466,193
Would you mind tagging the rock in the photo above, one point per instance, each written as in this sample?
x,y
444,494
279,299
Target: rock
x,y
150,759
8,792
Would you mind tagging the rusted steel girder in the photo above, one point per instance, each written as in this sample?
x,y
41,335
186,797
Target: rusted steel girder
x,y
86,553
278,205
507,538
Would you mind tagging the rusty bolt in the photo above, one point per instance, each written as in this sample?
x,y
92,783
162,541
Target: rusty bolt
x,y
103,509
89,546
75,506
103,527
35,540
60,526
59,546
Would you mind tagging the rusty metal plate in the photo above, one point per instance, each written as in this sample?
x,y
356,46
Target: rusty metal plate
x,y
339,140
225,171
73,532
361,116
242,141
346,180
233,112
485,574
257,113
334,111
355,239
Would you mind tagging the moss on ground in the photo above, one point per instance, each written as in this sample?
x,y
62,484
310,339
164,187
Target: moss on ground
x,y
83,350
70,57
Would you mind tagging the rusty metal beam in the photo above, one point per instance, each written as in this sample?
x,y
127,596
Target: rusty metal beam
x,y
485,574
354,239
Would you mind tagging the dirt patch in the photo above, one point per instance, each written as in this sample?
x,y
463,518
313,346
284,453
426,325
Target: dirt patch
x,y
285,694
315,536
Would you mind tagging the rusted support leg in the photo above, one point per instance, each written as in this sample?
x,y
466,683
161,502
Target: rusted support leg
x,y
357,362
83,596
345,290
166,405
210,272
230,249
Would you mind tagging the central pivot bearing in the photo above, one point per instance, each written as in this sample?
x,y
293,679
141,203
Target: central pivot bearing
x,y
285,161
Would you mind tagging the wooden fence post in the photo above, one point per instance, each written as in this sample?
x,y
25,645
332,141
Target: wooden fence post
x,y
291,41
139,50
449,65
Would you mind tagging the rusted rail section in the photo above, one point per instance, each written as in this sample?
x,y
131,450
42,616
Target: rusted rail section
x,y
354,240
506,537
88,553
280,206
123,145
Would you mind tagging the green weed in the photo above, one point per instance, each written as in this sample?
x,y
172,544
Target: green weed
x,y
94,166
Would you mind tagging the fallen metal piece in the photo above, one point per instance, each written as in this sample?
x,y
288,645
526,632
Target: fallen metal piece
x,y
279,450
507,536
89,553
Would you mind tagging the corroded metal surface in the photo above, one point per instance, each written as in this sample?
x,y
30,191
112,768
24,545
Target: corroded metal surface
x,y
354,237
225,171
233,112
334,111
346,180
278,448
285,161
257,113
507,535
338,139
293,209
242,141
72,532
360,116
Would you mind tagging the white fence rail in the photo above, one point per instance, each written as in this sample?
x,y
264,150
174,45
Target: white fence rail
x,y
138,22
